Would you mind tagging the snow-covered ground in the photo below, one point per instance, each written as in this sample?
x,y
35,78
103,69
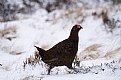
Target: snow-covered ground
x,y
99,51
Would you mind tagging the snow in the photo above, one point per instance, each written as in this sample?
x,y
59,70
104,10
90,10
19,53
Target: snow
x,y
47,29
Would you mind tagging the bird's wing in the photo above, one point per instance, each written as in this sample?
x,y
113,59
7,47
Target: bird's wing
x,y
62,50
51,60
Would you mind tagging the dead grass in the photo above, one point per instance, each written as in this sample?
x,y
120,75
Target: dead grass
x,y
74,13
77,12
7,30
6,20
32,60
90,53
110,24
110,54
15,52
93,47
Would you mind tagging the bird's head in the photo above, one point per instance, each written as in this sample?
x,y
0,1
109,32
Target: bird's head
x,y
74,32
77,27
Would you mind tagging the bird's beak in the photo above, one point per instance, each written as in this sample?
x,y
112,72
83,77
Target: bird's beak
x,y
80,27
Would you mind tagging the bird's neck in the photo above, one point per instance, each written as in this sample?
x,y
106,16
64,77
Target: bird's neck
x,y
73,36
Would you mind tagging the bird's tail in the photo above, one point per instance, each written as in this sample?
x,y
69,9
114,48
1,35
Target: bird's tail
x,y
41,51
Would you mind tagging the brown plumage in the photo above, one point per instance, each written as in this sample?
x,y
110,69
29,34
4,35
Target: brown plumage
x,y
62,53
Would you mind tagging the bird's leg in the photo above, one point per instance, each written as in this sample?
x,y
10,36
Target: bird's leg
x,y
70,67
73,70
49,70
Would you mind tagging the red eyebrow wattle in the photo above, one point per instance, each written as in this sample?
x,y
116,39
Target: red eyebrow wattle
x,y
77,25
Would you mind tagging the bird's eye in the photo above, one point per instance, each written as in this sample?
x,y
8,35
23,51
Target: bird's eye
x,y
78,26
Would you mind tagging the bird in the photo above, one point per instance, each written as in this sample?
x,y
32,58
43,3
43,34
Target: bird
x,y
64,52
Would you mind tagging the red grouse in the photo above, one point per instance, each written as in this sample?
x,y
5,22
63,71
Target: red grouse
x,y
62,53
